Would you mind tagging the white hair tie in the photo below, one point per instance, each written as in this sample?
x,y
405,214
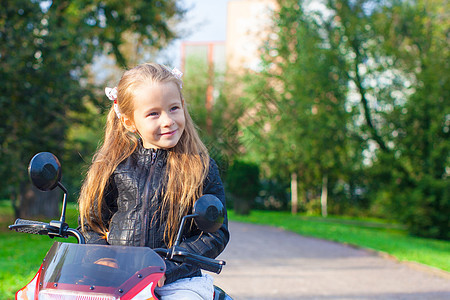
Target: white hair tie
x,y
111,93
177,74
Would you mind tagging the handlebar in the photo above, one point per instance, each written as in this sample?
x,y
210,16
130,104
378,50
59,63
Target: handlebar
x,y
205,263
181,256
52,229
32,227
60,229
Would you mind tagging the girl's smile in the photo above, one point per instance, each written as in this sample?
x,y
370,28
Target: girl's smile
x,y
169,133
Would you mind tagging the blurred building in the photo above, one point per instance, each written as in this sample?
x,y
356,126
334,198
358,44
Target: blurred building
x,y
249,24
205,58
211,54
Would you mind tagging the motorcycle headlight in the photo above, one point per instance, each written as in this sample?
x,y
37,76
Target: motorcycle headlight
x,y
67,295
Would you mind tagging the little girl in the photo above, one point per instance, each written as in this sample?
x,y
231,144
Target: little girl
x,y
147,174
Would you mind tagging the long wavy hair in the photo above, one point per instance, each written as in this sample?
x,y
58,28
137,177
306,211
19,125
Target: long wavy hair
x,y
187,162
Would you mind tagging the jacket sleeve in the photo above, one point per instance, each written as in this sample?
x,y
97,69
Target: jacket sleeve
x,y
205,244
109,207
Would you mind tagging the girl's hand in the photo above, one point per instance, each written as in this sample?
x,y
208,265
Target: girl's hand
x,y
161,281
108,262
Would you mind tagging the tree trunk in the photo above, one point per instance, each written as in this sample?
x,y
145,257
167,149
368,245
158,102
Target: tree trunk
x,y
294,194
35,203
324,196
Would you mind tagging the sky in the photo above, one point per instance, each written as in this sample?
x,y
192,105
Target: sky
x,y
205,21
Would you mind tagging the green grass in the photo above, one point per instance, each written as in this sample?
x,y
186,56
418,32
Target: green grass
x,y
21,254
21,258
376,235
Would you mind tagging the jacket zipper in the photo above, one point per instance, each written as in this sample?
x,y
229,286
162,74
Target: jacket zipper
x,y
154,151
145,217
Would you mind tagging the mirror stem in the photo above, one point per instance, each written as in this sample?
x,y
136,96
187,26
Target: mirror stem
x,y
63,213
180,231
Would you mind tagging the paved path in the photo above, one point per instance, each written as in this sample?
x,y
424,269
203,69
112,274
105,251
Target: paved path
x,y
269,263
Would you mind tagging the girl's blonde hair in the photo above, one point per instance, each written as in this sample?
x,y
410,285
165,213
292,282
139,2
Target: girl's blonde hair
x,y
187,162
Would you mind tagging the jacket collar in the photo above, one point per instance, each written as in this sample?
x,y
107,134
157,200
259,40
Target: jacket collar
x,y
144,151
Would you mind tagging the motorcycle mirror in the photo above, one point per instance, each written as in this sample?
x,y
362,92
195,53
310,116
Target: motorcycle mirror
x,y
209,213
45,171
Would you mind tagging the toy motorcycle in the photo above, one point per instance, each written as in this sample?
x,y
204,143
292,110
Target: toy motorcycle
x,y
104,272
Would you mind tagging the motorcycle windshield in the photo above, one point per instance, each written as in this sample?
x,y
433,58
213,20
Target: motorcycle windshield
x,y
95,267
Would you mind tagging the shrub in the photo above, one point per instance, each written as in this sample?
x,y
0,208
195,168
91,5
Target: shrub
x,y
242,182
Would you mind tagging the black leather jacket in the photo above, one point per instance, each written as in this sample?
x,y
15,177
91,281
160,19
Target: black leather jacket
x,y
131,211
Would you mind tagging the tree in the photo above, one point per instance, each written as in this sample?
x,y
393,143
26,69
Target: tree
x,y
418,40
359,87
299,120
217,122
44,86
397,60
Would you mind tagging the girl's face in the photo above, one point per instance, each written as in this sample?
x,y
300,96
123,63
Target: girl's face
x,y
158,115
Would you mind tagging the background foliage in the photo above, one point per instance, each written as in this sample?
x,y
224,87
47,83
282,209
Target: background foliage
x,y
48,102
357,92
351,97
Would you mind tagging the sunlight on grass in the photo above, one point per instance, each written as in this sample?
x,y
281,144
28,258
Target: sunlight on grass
x,y
22,253
22,256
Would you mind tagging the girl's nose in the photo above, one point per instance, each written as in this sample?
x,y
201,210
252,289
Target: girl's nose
x,y
166,120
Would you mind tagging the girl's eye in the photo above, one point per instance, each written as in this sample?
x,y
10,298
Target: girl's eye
x,y
153,114
174,108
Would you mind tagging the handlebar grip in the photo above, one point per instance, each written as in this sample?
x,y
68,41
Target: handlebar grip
x,y
181,256
28,226
205,263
